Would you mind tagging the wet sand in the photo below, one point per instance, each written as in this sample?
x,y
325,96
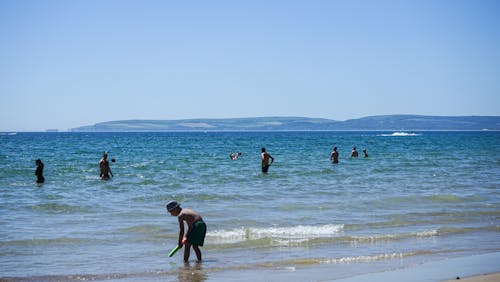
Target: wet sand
x,y
472,268
494,277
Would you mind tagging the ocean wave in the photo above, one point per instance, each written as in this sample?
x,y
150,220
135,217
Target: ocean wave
x,y
280,234
400,133
344,260
392,237
299,236
371,258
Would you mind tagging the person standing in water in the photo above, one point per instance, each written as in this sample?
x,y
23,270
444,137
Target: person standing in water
x,y
365,154
334,156
39,171
265,157
197,229
104,168
354,153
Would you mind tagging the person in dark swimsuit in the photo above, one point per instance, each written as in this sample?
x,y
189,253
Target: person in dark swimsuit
x,y
39,171
365,154
265,157
334,156
104,168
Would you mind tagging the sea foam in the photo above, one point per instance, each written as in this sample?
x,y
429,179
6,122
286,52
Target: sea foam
x,y
299,232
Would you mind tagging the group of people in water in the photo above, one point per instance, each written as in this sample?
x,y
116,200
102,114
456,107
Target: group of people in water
x,y
104,169
334,155
266,161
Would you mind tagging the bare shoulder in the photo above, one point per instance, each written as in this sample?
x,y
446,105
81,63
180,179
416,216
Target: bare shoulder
x,y
189,215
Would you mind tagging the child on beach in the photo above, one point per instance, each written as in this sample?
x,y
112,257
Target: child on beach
x,y
197,229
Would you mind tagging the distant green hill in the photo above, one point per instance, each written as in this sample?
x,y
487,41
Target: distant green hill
x,y
382,123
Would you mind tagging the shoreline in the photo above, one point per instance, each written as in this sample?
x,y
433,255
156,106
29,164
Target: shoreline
x,y
472,268
491,277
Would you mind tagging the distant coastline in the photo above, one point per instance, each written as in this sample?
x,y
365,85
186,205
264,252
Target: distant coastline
x,y
371,123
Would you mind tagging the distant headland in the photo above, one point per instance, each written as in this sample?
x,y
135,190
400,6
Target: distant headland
x,y
380,123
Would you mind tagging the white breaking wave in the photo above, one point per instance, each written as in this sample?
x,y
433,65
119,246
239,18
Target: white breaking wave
x,y
299,233
400,133
365,258
389,237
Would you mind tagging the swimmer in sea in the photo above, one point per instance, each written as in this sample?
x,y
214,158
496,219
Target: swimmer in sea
x,y
265,157
365,154
234,156
334,156
39,171
354,153
104,168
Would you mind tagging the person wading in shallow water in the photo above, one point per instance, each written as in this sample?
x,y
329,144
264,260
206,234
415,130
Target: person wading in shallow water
x,y
265,157
39,171
354,152
334,156
197,229
365,154
104,167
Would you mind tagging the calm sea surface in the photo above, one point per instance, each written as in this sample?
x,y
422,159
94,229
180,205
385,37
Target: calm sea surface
x,y
417,197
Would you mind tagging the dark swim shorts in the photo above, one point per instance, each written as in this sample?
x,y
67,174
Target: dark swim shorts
x,y
265,168
197,233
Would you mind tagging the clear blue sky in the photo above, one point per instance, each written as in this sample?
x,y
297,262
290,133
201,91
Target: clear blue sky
x,y
65,64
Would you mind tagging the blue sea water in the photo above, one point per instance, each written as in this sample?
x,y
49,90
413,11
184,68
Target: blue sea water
x,y
417,197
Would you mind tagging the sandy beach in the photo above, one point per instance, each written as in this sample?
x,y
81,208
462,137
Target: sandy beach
x,y
493,277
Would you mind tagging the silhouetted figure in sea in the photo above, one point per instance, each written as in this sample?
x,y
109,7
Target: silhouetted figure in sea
x,y
365,154
39,171
334,156
265,157
104,168
354,153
